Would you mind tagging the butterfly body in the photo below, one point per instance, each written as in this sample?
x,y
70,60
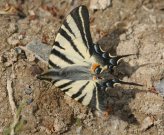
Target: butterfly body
x,y
79,67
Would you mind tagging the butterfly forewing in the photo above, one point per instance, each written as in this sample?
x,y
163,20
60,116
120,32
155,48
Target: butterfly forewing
x,y
73,43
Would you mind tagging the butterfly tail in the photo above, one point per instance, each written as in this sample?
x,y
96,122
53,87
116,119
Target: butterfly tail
x,y
114,60
112,82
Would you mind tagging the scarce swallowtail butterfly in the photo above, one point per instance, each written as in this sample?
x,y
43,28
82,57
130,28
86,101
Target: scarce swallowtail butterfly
x,y
78,67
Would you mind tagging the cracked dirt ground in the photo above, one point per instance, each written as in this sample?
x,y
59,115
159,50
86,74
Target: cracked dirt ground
x,y
126,27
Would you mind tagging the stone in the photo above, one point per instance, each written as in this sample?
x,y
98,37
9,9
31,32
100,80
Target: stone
x,y
147,123
100,4
13,40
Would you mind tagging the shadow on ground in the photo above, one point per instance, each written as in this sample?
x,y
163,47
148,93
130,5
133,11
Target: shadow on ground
x,y
119,98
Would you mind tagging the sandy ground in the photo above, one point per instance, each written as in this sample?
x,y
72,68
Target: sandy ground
x,y
127,26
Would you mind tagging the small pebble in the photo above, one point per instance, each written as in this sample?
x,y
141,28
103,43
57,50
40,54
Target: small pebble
x,y
100,4
130,30
20,37
13,28
123,37
18,50
147,122
59,125
29,101
78,130
3,59
159,86
35,108
13,40
28,90
20,53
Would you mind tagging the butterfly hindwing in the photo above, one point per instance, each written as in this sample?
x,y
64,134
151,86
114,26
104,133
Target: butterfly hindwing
x,y
77,83
73,43
83,91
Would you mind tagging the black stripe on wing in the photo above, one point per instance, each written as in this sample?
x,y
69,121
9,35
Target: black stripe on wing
x,y
81,99
102,100
66,84
58,45
62,56
51,64
54,81
62,86
80,91
81,17
68,28
73,39
85,16
69,39
66,90
98,99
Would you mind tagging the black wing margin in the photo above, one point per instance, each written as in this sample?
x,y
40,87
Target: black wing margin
x,y
82,20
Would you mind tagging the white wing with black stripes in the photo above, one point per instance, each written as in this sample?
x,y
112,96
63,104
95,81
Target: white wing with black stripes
x,y
70,60
73,43
76,82
77,65
84,91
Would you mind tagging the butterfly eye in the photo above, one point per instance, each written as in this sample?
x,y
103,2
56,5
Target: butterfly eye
x,y
98,70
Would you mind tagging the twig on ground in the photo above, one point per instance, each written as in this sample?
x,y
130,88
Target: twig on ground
x,y
13,106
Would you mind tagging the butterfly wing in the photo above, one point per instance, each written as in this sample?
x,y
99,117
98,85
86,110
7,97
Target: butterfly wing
x,y
77,83
71,59
73,46
73,43
84,91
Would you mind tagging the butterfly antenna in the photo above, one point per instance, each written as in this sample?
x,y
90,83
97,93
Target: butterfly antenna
x,y
130,83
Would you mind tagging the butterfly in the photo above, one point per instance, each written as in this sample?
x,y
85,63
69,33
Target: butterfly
x,y
77,66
